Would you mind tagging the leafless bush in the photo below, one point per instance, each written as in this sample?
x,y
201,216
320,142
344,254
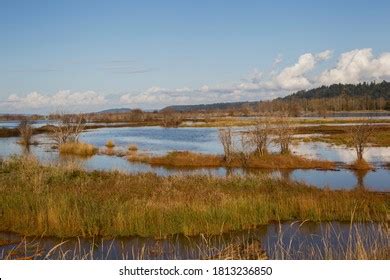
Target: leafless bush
x,y
246,148
259,135
284,131
360,135
137,115
170,118
26,132
68,129
226,138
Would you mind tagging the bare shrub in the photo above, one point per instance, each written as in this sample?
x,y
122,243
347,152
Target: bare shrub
x,y
170,118
226,138
360,135
246,149
284,131
68,129
259,135
26,132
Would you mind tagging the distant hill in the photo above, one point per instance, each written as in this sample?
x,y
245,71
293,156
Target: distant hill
x,y
360,93
373,90
213,106
113,111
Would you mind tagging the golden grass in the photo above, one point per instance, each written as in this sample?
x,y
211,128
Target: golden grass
x,y
133,147
110,144
78,148
360,165
269,161
180,159
36,200
360,242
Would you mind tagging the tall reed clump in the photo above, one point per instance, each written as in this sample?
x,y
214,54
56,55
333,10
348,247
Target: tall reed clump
x,y
77,148
37,200
110,144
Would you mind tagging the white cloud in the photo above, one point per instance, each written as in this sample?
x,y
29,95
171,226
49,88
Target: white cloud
x,y
307,72
357,66
325,55
61,99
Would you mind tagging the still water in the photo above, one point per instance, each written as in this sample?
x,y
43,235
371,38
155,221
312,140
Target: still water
x,y
158,141
280,241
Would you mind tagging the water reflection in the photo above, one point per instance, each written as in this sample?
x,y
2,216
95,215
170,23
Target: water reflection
x,y
158,140
280,241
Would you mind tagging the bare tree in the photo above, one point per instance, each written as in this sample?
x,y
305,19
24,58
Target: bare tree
x,y
259,135
284,130
226,138
246,148
26,132
68,129
360,135
170,118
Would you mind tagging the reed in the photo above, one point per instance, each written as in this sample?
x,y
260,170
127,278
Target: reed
x,y
64,202
110,144
133,148
77,148
360,242
267,161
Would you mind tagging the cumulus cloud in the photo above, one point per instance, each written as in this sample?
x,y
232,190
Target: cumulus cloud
x,y
357,66
61,99
307,72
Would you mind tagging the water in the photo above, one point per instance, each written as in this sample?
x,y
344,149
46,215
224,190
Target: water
x,y
280,241
157,140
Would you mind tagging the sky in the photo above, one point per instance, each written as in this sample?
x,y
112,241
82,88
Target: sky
x,y
60,56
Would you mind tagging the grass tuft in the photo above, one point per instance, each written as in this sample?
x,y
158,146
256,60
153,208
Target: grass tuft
x,y
268,161
110,144
77,148
67,202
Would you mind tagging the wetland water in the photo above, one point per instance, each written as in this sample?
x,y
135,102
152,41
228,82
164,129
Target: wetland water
x,y
158,141
280,241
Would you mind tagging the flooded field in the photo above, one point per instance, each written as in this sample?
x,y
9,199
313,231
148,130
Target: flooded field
x,y
159,141
279,241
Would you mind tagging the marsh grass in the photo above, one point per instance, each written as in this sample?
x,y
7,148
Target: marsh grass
x,y
77,148
360,242
369,242
66,202
267,161
133,148
361,165
110,144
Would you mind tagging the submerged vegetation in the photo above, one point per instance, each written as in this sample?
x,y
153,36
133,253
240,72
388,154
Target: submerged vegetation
x,y
65,202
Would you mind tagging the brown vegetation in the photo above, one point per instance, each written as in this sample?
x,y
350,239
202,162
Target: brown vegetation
x,y
132,148
268,161
65,202
26,133
77,148
110,144
68,129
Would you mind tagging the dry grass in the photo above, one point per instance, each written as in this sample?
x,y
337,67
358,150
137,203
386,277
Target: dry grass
x,y
77,148
180,159
133,148
57,201
110,144
360,242
268,161
361,165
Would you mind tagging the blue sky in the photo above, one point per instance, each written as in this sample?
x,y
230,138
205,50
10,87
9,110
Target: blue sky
x,y
89,55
